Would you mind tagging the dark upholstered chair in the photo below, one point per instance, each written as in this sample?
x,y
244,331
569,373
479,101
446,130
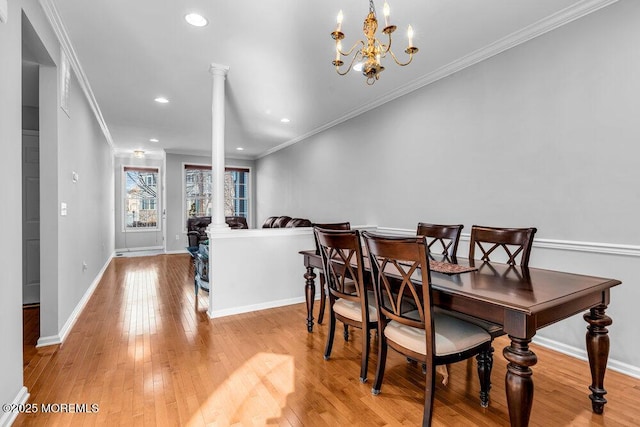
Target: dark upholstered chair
x,y
323,293
442,238
268,223
298,222
281,222
197,229
236,222
514,242
420,333
285,221
349,300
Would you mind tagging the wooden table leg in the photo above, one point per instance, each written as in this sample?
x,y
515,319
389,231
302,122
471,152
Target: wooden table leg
x,y
519,381
598,351
310,294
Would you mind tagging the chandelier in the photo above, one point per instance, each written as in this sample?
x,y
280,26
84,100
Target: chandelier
x,y
368,54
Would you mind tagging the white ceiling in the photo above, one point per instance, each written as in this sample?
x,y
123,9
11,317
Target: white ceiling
x,y
279,53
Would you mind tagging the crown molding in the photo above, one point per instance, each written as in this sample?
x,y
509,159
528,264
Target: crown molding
x,y
60,31
543,26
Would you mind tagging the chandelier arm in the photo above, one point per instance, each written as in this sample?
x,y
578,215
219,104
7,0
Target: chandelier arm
x,y
387,47
352,48
402,64
357,55
383,48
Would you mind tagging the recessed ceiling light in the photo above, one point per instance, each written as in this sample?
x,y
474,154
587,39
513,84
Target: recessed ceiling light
x,y
239,148
196,20
154,140
285,120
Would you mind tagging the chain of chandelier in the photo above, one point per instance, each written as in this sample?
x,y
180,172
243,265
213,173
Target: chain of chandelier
x,y
366,55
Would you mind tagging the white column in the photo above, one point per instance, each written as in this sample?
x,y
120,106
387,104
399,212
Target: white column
x,y
219,73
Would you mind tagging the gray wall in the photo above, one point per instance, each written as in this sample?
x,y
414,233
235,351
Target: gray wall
x,y
86,234
10,219
542,135
67,144
134,239
175,185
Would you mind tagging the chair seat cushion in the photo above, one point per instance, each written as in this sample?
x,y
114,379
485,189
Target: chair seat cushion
x,y
351,309
493,328
452,335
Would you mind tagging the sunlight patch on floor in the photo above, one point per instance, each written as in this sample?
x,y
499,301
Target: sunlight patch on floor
x,y
241,398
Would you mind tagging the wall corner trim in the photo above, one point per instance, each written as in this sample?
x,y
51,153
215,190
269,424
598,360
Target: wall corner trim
x,y
21,398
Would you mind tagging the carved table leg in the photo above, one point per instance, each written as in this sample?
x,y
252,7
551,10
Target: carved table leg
x,y
598,351
519,381
310,294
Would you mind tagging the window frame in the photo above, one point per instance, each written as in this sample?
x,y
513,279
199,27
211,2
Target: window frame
x,y
123,197
227,168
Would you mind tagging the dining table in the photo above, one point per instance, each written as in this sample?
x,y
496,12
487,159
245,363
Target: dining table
x,y
520,300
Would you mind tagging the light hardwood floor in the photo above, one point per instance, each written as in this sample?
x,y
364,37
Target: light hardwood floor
x,y
146,354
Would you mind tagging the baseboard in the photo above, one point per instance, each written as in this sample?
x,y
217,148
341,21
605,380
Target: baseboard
x,y
140,249
578,353
255,307
178,251
62,334
21,398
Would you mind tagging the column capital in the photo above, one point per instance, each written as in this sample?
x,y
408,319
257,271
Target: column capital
x,y
219,69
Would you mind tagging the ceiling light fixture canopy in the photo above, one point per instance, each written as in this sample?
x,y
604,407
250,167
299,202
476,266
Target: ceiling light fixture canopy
x,y
371,51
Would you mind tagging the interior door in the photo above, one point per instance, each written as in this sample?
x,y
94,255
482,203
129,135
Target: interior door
x,y
30,218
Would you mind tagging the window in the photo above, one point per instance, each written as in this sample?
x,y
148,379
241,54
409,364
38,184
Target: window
x,y
199,195
141,198
236,189
197,190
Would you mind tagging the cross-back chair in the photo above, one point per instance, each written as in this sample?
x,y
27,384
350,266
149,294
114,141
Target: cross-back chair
x,y
323,295
514,242
440,237
349,300
400,271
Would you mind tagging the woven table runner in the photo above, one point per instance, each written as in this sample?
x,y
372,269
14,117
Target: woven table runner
x,y
448,268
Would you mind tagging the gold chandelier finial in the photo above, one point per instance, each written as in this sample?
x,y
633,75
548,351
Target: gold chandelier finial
x,y
370,53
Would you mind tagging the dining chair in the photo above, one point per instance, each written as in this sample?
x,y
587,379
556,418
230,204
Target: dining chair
x,y
400,270
441,236
349,300
514,242
323,295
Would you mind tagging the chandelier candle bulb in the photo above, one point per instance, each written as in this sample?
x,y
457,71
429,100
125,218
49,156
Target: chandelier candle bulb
x,y
386,11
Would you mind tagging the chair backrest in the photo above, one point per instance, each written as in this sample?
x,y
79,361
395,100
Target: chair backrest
x,y
330,226
341,252
394,261
514,241
268,223
281,221
445,237
236,222
298,222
